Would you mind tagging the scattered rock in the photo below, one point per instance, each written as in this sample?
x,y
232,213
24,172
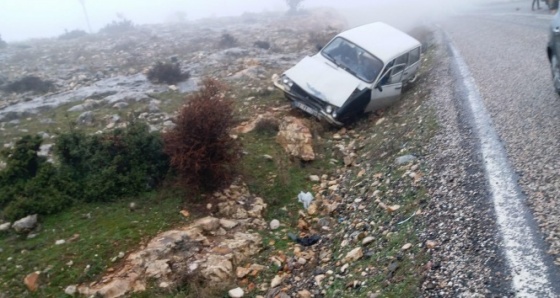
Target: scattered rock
x,y
406,246
25,224
367,240
236,293
274,224
276,281
393,208
71,290
5,226
228,224
353,255
241,272
314,178
295,137
31,281
304,294
431,244
86,118
401,160
208,223
60,242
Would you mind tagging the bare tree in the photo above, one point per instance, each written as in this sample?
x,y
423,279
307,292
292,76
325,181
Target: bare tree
x,y
83,3
294,5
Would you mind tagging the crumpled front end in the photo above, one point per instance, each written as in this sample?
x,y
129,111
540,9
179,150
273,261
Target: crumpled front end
x,y
306,102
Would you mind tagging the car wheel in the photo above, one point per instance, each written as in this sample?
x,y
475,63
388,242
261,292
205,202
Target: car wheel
x,y
555,68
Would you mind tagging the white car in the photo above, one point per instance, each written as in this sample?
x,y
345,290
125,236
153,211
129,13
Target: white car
x,y
359,70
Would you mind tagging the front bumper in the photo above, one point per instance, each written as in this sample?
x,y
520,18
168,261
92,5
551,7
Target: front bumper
x,y
305,104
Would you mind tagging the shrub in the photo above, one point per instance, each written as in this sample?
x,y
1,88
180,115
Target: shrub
x,y
265,45
168,73
104,167
29,184
227,41
72,34
123,162
123,25
30,84
201,150
293,5
3,44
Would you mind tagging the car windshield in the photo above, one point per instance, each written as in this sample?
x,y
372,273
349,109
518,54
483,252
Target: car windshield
x,y
353,59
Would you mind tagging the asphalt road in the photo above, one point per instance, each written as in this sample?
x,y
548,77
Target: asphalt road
x,y
503,92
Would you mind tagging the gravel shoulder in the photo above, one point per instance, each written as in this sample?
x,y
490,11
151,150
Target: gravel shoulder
x,y
468,263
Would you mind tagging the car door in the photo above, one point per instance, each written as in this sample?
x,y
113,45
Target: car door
x,y
387,93
412,65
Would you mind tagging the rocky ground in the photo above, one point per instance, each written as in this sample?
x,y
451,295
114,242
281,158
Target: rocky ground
x,y
401,212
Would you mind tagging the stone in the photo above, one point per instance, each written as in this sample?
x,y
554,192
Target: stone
x,y
304,294
343,268
274,224
5,226
241,272
312,209
228,224
314,178
71,290
31,281
217,268
431,244
406,246
295,137
401,160
86,118
393,208
60,242
25,224
236,293
158,268
208,223
318,279
276,281
353,255
367,240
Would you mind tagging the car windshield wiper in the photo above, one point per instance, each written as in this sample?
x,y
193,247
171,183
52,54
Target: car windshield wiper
x,y
349,70
331,58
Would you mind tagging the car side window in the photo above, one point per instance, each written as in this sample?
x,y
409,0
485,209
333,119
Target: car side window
x,y
414,56
403,59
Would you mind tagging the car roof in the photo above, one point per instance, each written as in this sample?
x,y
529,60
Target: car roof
x,y
382,40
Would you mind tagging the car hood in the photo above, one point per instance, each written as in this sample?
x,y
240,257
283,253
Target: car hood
x,y
324,80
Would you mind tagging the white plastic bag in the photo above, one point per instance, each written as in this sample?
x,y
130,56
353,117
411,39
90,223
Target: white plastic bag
x,y
305,198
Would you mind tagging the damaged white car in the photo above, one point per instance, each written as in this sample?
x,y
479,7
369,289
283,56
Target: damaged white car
x,y
359,70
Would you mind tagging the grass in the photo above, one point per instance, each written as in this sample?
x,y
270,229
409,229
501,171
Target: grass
x,y
111,228
104,230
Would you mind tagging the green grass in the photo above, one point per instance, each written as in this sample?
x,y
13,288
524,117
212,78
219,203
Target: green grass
x,y
104,230
280,179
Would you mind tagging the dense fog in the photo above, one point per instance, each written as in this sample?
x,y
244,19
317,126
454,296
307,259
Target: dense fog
x,y
24,19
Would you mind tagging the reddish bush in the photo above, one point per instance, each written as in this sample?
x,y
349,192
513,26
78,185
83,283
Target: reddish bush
x,y
202,152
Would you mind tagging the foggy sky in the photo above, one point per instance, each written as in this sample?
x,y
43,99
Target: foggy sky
x,y
24,19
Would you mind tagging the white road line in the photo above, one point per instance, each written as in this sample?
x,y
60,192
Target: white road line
x,y
525,259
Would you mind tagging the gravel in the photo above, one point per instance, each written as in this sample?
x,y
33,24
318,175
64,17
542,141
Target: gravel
x,y
467,261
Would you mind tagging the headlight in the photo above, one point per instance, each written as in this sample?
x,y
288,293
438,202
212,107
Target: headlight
x,y
334,114
329,109
287,81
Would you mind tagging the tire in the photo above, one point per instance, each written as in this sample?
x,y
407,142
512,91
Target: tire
x,y
555,69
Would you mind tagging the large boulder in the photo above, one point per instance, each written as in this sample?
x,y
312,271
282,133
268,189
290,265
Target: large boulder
x,y
295,137
25,224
